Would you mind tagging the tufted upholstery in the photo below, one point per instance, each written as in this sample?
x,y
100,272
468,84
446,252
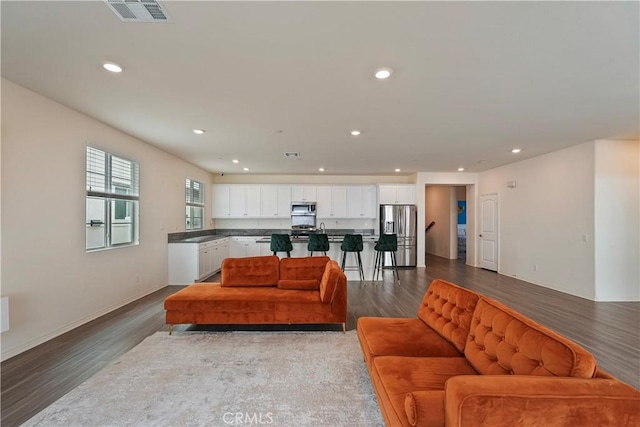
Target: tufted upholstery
x,y
250,271
281,243
352,243
387,243
502,341
448,309
318,243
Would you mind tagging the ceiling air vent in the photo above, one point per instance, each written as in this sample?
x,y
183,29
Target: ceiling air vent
x,y
139,10
292,154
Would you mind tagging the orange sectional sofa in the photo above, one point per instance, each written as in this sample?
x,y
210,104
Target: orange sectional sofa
x,y
265,290
468,360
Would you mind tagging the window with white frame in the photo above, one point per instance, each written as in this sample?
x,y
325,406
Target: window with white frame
x,y
194,192
113,192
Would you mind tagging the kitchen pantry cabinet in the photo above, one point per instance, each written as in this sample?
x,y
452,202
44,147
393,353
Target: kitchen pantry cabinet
x,y
397,194
191,262
303,193
361,201
332,201
275,201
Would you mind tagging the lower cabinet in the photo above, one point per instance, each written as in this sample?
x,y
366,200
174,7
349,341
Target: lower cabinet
x,y
245,246
191,262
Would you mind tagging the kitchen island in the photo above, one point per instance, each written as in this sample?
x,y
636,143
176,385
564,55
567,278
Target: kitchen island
x,y
368,253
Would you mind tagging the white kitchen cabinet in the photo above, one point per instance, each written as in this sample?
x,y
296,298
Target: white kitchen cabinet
x,y
332,201
244,201
244,246
191,262
361,201
303,193
397,194
275,201
221,198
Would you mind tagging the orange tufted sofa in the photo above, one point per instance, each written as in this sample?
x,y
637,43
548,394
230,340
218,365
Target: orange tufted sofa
x,y
265,290
468,360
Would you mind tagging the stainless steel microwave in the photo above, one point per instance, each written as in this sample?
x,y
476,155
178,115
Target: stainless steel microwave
x,y
303,208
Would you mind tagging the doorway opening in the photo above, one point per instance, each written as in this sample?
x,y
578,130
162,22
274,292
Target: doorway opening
x,y
461,196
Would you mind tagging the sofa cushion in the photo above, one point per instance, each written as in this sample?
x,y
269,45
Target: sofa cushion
x,y
396,376
308,284
250,271
305,268
503,341
382,336
329,281
448,309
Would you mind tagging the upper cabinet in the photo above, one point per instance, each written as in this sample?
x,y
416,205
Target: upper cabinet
x,y
304,193
236,201
397,194
361,201
332,201
275,201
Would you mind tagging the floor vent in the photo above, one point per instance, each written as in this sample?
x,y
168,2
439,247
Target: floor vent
x,y
139,10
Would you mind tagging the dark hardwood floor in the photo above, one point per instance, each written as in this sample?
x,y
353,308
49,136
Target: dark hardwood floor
x,y
36,378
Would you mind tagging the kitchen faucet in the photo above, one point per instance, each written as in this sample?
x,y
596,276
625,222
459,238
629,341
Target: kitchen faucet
x,y
322,229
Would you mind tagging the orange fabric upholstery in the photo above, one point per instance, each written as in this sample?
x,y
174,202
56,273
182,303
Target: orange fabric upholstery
x,y
332,273
299,284
502,341
303,268
250,271
206,303
468,360
447,309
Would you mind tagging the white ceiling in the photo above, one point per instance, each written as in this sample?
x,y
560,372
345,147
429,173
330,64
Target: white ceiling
x,y
471,79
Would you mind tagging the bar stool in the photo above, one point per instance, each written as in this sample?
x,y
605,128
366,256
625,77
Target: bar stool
x,y
318,242
386,243
281,243
352,243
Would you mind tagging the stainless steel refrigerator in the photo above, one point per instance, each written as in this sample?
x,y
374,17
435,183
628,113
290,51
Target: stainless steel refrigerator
x,y
403,221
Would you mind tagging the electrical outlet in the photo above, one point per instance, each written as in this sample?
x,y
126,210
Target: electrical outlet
x,y
535,267
585,238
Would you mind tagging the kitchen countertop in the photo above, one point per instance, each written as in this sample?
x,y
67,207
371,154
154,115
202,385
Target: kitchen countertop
x,y
200,239
336,239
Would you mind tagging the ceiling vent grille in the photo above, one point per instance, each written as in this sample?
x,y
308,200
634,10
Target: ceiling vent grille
x,y
139,10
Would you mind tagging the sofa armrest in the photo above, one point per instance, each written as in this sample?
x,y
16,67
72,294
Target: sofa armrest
x,y
534,401
339,298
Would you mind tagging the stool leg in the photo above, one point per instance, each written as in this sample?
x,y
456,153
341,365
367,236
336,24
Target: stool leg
x,y
274,252
360,266
288,254
394,263
344,260
376,266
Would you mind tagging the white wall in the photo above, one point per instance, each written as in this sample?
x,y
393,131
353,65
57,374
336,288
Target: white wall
x,y
546,219
617,211
52,283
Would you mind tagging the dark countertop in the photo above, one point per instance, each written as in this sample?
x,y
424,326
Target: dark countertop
x,y
200,239
332,238
201,236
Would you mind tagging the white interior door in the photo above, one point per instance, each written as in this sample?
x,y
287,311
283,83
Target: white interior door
x,y
488,236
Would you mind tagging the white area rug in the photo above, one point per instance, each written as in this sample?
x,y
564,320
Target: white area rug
x,y
224,379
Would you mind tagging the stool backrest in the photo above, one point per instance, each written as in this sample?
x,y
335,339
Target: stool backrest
x,y
387,243
281,243
352,243
318,242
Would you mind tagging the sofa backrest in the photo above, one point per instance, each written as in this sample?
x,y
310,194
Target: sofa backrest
x,y
250,271
302,273
502,341
330,277
447,308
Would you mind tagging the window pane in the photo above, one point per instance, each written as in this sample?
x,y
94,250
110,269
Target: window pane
x,y
121,222
194,218
96,169
197,196
95,228
121,176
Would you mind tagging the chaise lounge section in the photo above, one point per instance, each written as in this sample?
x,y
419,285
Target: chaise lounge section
x,y
468,360
265,290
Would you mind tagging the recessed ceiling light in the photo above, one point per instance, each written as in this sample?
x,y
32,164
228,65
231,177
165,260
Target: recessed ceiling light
x,y
245,169
516,150
383,73
113,67
355,132
398,170
198,131
235,161
321,169
460,169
